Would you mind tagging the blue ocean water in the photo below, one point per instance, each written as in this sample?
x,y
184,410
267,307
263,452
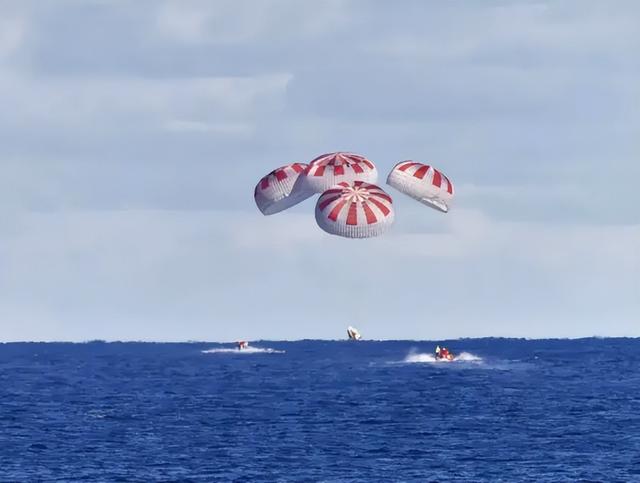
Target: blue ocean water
x,y
508,410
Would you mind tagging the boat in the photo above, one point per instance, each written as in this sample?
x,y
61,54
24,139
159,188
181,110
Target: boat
x,y
443,354
242,344
353,333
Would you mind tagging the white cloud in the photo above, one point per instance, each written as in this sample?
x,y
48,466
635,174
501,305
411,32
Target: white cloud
x,y
236,21
211,273
12,32
562,35
81,102
282,232
177,125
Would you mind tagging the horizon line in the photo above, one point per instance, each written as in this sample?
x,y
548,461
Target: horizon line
x,y
193,341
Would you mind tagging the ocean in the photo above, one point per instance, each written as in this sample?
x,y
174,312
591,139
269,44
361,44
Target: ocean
x,y
508,410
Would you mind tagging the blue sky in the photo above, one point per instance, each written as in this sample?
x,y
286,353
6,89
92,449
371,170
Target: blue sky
x,y
132,135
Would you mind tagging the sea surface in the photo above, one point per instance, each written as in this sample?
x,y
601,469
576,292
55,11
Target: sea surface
x,y
321,411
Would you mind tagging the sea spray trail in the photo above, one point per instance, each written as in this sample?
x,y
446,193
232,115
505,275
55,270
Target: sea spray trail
x,y
466,360
429,358
247,350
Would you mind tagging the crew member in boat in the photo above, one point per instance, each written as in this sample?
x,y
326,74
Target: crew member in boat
x,y
443,353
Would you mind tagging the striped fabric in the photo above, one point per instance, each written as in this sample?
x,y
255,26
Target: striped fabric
x,y
277,191
355,210
423,183
330,169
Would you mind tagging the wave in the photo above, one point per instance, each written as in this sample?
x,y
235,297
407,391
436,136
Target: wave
x,y
248,350
429,358
467,357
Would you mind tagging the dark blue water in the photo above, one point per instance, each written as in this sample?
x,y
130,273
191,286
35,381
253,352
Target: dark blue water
x,y
514,410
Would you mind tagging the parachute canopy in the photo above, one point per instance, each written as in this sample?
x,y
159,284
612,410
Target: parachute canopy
x,y
277,191
423,183
330,169
357,210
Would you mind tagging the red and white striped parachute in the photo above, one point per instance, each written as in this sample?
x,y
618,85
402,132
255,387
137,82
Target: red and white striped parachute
x,y
423,183
355,210
277,191
330,169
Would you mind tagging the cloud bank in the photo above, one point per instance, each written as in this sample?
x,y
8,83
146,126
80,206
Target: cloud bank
x,y
132,134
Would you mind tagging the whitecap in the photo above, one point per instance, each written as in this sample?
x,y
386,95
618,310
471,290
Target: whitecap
x,y
429,358
248,350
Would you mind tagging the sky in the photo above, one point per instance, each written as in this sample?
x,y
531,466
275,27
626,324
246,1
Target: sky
x,y
132,135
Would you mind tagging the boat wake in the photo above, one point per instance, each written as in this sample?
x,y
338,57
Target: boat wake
x,y
428,358
248,350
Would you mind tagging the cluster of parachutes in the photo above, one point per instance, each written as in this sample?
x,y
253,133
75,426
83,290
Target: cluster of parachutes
x,y
350,203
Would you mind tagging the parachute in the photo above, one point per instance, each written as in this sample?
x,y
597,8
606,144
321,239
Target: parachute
x,y
330,169
356,210
277,191
351,205
423,183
